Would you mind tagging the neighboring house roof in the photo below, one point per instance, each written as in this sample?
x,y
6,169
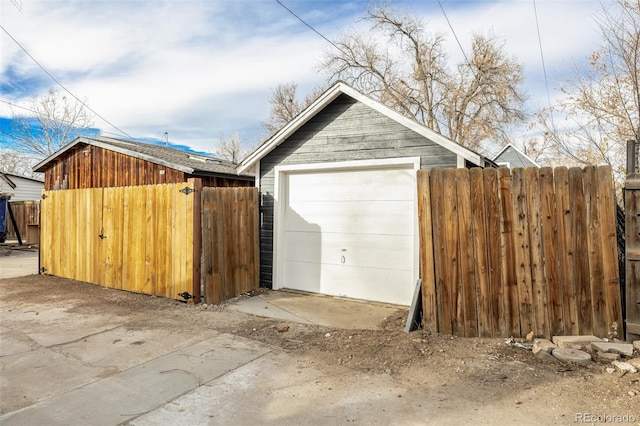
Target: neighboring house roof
x,y
21,188
513,157
5,177
23,177
187,162
329,96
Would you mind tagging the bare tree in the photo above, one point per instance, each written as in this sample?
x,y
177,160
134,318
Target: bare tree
x,y
285,105
600,109
16,163
408,70
230,148
55,121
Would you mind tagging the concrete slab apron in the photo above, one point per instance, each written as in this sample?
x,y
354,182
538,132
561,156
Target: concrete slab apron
x,y
136,391
261,307
18,264
316,309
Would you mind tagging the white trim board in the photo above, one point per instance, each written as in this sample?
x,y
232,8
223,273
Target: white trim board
x,y
329,96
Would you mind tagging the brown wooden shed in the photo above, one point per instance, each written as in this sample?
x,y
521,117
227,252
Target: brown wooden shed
x,y
104,162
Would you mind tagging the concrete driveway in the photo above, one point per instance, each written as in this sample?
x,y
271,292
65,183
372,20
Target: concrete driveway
x,y
61,364
77,354
18,262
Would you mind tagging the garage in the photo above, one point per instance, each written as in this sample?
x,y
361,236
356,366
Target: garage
x,y
338,210
349,230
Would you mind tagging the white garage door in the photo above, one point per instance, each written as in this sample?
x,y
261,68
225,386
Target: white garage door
x,y
350,233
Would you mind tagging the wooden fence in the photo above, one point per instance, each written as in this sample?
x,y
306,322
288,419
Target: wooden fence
x,y
26,214
138,238
507,252
632,243
230,242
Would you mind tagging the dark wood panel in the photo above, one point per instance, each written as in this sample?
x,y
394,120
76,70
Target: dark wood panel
x,y
468,294
88,166
230,241
580,253
550,250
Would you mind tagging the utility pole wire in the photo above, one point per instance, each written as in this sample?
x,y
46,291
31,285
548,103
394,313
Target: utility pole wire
x,y
61,121
454,34
544,68
17,4
61,85
311,28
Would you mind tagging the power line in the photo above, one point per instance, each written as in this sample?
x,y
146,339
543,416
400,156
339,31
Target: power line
x,y
57,119
311,28
61,85
17,4
454,34
544,68
19,106
346,53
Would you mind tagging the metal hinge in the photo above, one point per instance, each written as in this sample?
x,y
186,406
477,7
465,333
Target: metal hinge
x,y
185,295
44,196
186,190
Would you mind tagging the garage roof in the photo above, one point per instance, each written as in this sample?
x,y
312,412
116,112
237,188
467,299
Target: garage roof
x,y
329,96
187,162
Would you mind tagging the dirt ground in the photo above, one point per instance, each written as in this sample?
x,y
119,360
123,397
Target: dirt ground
x,y
483,370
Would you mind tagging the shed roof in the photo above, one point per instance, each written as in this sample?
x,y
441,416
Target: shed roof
x,y
329,96
187,162
8,180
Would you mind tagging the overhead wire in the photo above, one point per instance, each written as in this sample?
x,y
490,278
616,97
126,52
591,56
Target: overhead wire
x,y
328,40
464,54
61,85
544,67
466,59
311,27
62,121
17,4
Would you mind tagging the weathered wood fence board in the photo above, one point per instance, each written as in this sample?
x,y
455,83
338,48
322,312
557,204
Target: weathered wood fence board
x,y
508,252
26,213
230,242
632,242
136,238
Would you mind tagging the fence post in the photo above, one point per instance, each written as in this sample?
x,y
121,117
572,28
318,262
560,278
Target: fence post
x,y
632,156
197,237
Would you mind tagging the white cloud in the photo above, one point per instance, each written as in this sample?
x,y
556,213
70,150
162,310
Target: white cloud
x,y
198,68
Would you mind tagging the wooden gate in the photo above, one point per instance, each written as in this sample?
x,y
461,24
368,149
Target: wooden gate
x,y
230,242
138,238
27,215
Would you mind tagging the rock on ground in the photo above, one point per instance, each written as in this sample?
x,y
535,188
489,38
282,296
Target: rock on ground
x,y
572,355
543,345
625,349
567,341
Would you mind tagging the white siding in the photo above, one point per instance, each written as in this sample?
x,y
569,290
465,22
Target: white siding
x,y
25,190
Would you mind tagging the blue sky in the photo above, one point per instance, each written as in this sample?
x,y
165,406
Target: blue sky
x,y
199,69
